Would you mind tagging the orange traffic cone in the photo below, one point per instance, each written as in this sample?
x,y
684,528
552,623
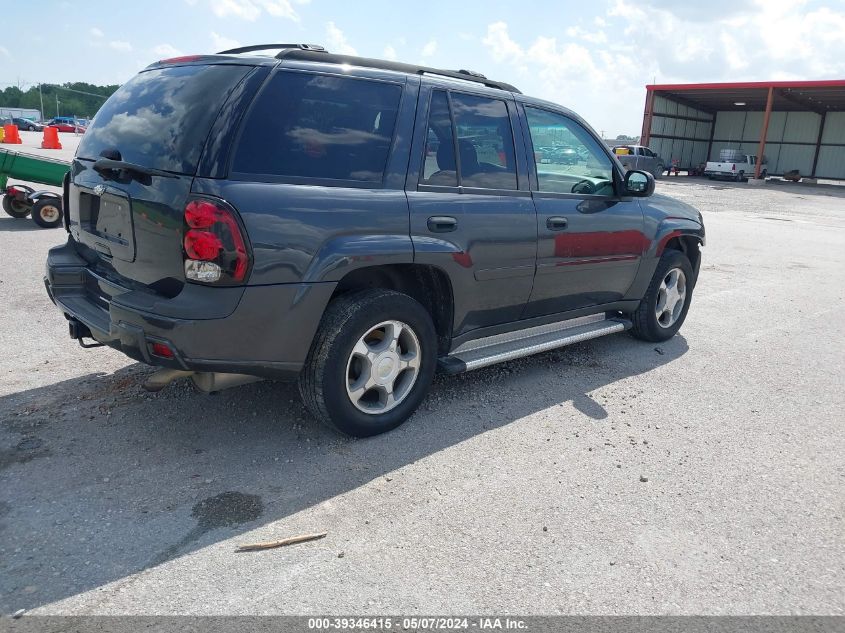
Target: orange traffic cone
x,y
51,138
11,134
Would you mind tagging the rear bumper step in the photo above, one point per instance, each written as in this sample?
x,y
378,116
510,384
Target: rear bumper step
x,y
512,345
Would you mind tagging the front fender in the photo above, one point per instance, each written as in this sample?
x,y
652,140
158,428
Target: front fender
x,y
671,228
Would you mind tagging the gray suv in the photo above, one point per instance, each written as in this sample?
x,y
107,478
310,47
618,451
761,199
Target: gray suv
x,y
355,225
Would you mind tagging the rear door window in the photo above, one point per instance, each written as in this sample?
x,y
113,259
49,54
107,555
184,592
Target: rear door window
x,y
439,166
305,125
485,142
161,118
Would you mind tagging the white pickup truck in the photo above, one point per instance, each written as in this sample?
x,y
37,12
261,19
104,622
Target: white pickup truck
x,y
738,167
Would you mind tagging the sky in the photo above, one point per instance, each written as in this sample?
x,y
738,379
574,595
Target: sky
x,y
594,57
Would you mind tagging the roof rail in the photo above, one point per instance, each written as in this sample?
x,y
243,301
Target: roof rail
x,y
264,47
305,54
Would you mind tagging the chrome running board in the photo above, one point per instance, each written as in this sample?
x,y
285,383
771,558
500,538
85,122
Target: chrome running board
x,y
503,347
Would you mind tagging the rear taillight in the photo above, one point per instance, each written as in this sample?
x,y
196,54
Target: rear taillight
x,y
733,167
215,249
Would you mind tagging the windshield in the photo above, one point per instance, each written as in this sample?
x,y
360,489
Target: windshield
x,y
161,118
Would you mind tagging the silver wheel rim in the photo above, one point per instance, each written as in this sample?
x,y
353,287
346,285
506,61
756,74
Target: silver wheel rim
x,y
671,298
49,213
383,367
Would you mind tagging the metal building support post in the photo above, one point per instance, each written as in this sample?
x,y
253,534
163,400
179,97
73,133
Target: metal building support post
x,y
818,144
762,146
648,115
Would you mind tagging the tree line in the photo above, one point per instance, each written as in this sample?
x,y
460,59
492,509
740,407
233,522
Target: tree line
x,y
73,100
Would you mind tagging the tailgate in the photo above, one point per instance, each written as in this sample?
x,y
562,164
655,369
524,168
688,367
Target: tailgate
x,y
135,228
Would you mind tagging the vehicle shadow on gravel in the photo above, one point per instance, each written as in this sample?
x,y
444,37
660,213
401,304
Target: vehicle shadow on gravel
x,y
15,225
100,480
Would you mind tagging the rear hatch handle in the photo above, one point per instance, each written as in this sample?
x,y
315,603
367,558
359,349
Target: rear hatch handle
x,y
107,164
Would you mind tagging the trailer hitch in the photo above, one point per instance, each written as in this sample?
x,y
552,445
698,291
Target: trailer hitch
x,y
80,331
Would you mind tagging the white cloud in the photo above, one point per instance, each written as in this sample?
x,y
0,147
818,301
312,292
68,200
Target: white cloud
x,y
429,49
594,37
250,10
244,9
600,65
389,53
166,50
222,43
4,51
337,42
95,32
499,43
120,45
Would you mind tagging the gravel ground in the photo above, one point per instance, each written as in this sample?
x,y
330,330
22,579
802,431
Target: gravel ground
x,y
700,476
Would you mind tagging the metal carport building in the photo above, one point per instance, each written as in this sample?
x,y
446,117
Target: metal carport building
x,y
795,124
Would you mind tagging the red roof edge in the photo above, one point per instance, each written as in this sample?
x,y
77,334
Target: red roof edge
x,y
823,83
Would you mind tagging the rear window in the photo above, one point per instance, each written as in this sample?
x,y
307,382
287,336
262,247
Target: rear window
x,y
305,125
161,118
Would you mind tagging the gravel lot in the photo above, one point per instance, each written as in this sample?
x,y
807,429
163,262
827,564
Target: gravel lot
x,y
703,475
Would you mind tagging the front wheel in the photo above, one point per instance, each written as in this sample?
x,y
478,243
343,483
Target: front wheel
x,y
659,172
371,362
15,208
664,307
47,213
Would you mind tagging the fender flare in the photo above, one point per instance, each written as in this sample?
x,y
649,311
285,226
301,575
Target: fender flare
x,y
344,254
671,228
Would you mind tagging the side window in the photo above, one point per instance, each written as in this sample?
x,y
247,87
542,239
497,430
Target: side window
x,y
485,142
305,125
568,158
439,160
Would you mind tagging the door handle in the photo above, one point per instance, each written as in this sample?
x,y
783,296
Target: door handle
x,y
442,224
556,223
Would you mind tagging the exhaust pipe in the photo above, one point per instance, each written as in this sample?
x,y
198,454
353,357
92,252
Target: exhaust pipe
x,y
206,381
211,381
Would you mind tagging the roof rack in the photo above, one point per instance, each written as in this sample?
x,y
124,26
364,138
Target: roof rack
x,y
265,47
317,53
368,62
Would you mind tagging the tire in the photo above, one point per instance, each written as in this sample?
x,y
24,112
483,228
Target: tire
x,y
658,173
47,213
646,324
15,208
327,382
764,174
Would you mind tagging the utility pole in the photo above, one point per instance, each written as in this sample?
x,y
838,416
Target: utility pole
x,y
41,98
57,104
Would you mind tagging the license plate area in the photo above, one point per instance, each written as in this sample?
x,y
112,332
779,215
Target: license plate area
x,y
106,224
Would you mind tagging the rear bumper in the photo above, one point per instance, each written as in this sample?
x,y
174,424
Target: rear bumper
x,y
261,330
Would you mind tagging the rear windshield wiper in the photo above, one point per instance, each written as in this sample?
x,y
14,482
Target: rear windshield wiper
x,y
107,164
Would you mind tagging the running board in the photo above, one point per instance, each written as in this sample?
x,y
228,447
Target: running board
x,y
503,347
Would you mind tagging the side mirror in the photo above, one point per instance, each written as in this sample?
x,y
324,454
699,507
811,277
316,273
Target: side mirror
x,y
639,183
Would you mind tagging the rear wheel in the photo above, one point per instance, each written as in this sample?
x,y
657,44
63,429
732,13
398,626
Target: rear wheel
x,y
664,307
659,172
47,212
371,362
15,208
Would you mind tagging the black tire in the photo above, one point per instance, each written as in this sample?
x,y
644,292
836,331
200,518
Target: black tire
x,y
323,381
47,213
646,326
659,172
15,208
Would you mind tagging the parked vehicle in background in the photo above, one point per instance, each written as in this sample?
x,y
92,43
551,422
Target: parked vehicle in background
x,y
27,124
734,165
640,157
290,217
66,124
563,155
